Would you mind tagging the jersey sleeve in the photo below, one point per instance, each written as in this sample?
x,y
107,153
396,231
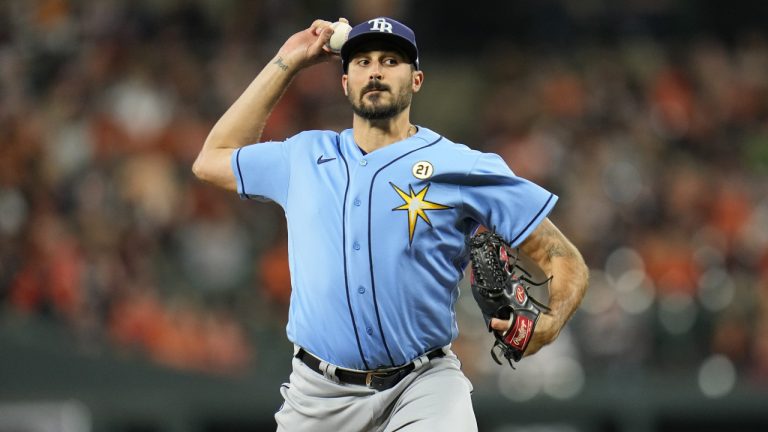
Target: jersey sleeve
x,y
498,199
262,171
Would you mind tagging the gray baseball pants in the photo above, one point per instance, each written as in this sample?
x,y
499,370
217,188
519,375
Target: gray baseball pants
x,y
434,397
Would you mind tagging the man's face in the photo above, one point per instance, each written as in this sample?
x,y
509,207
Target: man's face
x,y
380,83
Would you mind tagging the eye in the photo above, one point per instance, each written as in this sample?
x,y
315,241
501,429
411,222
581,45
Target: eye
x,y
363,62
390,61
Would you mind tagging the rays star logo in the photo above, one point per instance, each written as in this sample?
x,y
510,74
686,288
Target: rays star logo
x,y
416,205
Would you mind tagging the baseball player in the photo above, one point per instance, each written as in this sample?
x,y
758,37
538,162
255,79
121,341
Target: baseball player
x,y
378,220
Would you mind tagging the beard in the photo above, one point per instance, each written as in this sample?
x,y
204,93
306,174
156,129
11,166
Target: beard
x,y
375,108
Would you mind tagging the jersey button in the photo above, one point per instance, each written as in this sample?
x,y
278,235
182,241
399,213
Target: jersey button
x,y
361,290
356,245
369,330
363,162
356,202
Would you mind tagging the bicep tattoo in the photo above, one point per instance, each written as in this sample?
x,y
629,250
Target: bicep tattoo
x,y
556,245
551,243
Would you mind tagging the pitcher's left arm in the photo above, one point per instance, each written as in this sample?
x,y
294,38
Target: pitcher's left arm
x,y
558,257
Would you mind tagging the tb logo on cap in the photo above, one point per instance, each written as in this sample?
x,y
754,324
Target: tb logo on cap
x,y
381,25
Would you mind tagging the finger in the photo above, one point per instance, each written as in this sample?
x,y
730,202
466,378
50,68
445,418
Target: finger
x,y
344,20
499,325
318,26
323,37
321,44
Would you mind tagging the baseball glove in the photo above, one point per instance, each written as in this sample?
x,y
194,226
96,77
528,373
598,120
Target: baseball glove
x,y
500,286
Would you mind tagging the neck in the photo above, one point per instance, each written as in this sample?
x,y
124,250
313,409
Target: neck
x,y
371,135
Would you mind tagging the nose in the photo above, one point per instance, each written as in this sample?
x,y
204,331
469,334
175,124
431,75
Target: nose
x,y
375,72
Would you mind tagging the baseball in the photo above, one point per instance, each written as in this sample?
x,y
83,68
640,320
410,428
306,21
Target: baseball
x,y
340,33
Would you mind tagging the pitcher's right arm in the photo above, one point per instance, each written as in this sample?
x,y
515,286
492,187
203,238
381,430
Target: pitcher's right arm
x,y
244,121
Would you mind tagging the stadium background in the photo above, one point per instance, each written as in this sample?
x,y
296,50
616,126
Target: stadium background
x,y
134,298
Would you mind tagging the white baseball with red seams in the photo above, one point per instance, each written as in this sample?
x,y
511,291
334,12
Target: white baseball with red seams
x,y
340,32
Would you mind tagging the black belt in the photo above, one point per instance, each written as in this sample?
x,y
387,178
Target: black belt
x,y
377,379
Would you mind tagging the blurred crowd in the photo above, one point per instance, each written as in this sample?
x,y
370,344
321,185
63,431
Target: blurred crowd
x,y
659,152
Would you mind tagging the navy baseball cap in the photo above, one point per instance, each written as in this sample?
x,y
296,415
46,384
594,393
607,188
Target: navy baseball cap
x,y
380,29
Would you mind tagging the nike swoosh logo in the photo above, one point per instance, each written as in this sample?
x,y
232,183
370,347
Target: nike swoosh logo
x,y
320,160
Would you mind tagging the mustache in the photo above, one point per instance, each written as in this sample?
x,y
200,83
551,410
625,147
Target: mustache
x,y
374,86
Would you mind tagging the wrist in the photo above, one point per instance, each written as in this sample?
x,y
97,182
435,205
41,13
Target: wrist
x,y
286,63
550,325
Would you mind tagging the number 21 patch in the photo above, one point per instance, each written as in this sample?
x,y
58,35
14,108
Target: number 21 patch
x,y
422,170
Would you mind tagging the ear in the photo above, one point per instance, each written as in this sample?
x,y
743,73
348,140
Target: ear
x,y
344,84
417,80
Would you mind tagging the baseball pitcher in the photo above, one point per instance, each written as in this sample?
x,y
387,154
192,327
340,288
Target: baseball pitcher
x,y
382,220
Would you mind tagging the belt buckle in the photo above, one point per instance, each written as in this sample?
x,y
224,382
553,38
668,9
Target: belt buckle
x,y
369,378
385,380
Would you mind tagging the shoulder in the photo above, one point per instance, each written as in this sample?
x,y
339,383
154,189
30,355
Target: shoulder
x,y
444,144
462,157
475,161
447,161
310,142
314,136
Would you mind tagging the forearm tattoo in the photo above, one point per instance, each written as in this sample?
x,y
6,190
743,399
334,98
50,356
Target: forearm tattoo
x,y
280,64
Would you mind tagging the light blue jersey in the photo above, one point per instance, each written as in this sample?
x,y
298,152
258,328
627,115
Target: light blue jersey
x,y
377,242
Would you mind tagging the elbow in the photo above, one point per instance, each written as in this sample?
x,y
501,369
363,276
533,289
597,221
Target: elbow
x,y
201,166
579,270
197,168
585,278
213,166
584,273
204,167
